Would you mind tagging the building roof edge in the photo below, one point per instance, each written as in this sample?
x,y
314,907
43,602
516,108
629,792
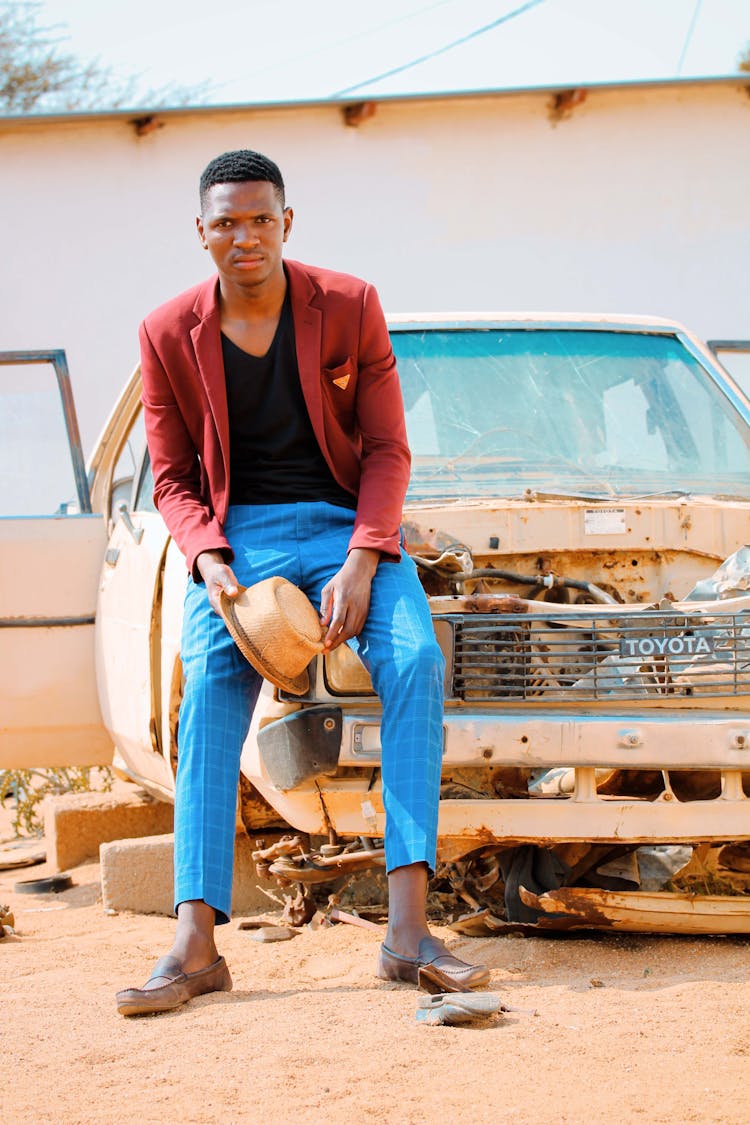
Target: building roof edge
x,y
134,113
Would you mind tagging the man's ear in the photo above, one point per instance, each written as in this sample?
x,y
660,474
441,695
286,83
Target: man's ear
x,y
288,220
201,235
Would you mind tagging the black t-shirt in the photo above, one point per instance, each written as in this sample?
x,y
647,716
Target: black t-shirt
x,y
274,456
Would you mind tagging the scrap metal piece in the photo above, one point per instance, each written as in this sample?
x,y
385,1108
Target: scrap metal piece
x,y
21,853
264,857
623,868
560,781
661,912
455,560
736,857
299,908
731,580
265,933
285,846
337,915
7,922
658,863
317,868
482,923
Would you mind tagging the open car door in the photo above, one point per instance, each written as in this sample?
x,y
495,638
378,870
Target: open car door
x,y
734,355
51,551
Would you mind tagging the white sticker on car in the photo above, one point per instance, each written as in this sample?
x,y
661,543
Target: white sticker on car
x,y
604,521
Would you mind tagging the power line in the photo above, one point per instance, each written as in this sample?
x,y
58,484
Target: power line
x,y
689,36
283,64
442,50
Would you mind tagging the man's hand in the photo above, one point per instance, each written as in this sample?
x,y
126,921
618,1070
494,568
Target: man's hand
x,y
218,576
345,600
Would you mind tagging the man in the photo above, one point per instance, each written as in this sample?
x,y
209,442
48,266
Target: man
x,y
276,431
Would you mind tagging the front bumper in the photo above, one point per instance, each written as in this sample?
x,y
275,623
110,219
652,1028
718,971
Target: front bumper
x,y
351,799
649,740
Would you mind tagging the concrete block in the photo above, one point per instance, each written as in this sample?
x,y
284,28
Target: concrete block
x,y
76,824
137,875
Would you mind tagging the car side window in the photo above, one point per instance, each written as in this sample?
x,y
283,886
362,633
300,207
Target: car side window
x,y
127,466
734,355
39,438
144,497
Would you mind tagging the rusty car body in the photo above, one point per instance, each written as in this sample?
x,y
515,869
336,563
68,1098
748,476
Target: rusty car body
x,y
578,509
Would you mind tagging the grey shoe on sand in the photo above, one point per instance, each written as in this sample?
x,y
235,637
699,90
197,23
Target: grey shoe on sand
x,y
457,1007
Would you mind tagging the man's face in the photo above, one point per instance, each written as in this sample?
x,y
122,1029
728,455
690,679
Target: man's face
x,y
243,227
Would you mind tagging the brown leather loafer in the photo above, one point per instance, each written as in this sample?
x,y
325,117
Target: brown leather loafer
x,y
178,987
434,969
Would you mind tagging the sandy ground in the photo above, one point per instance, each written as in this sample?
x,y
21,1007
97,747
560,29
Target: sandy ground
x,y
616,1028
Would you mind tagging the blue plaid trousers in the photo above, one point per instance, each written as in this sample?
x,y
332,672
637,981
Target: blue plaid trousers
x,y
307,544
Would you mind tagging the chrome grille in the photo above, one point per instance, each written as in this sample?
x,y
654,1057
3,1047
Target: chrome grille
x,y
585,656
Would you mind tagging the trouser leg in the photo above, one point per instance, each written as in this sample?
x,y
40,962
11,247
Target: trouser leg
x,y
221,689
220,692
406,665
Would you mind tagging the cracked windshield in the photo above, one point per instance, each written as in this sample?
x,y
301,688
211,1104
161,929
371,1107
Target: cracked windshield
x,y
494,412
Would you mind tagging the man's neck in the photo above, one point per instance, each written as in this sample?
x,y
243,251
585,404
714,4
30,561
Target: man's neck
x,y
252,302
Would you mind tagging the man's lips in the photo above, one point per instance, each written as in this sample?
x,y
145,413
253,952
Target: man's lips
x,y
247,260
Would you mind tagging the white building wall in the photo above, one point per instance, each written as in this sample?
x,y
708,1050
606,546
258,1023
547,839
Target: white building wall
x,y
637,203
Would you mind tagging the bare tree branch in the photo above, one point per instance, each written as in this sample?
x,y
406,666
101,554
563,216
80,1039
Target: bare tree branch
x,y
38,76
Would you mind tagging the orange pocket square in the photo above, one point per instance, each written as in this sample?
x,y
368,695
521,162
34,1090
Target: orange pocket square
x,y
340,375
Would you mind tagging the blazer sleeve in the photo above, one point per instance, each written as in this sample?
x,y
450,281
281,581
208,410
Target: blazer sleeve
x,y
176,464
385,459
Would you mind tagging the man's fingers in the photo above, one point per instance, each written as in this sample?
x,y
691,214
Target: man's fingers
x,y
228,581
214,597
334,642
332,635
224,580
344,604
336,630
326,605
343,627
220,579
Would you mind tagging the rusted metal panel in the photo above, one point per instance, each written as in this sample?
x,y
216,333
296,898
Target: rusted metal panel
x,y
546,822
585,908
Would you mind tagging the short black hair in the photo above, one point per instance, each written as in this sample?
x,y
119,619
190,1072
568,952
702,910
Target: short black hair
x,y
238,167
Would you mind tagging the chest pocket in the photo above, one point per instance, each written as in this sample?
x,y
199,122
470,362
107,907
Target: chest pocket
x,y
340,380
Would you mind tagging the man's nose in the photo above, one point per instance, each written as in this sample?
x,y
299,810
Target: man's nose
x,y
245,235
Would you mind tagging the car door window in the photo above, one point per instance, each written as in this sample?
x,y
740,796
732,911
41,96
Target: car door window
x,y
144,497
734,355
127,465
39,452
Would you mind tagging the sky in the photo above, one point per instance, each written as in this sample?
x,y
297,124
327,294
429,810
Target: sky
x,y
279,50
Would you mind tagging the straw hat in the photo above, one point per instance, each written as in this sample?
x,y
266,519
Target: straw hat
x,y
277,629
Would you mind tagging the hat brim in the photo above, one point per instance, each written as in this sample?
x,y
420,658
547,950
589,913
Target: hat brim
x,y
297,685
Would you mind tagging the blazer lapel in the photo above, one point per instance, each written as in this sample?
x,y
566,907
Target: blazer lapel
x,y
206,337
308,328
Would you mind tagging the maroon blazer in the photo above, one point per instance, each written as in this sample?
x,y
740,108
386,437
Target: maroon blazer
x,y
350,385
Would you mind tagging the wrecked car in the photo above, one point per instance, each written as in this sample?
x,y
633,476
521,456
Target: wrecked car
x,y
578,511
